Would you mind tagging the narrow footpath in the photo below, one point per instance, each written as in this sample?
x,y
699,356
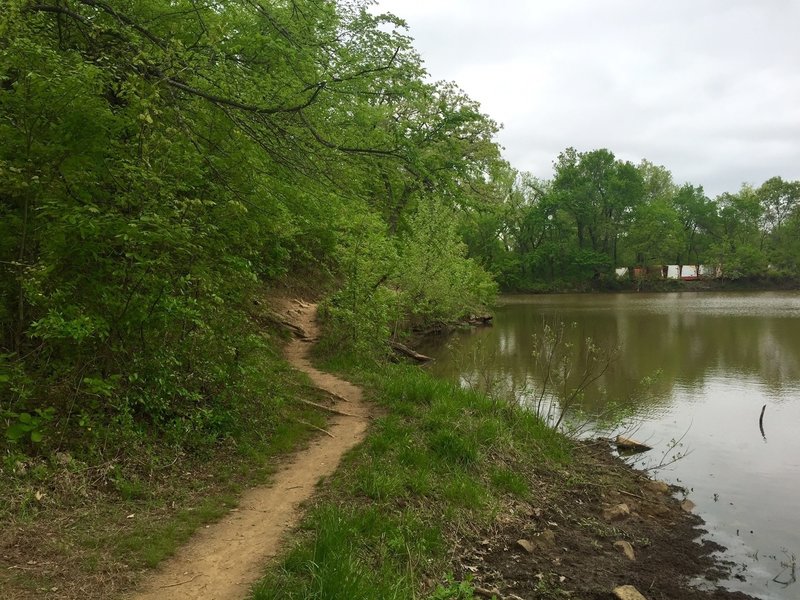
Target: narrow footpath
x,y
222,561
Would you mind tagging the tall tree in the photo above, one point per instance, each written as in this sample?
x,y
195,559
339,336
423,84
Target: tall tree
x,y
600,193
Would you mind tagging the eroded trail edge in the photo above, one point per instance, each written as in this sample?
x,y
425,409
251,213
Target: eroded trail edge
x,y
222,561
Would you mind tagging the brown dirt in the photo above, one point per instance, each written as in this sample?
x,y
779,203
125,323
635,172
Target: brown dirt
x,y
222,561
573,552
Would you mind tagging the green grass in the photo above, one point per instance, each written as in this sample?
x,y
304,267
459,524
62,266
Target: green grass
x,y
438,463
148,543
103,519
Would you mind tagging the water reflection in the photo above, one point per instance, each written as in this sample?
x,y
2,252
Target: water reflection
x,y
693,365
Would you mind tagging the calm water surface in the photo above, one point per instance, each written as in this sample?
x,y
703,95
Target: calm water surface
x,y
694,367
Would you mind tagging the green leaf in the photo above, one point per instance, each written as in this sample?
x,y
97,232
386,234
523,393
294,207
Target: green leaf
x,y
15,432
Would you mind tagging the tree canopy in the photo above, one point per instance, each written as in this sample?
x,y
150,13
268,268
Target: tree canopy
x,y
162,160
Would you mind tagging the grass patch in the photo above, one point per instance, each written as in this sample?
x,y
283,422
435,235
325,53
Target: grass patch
x,y
437,465
93,523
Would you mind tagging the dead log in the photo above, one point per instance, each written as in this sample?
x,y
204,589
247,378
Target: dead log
x,y
282,322
480,320
408,352
630,445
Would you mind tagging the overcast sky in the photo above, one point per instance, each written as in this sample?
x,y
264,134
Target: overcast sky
x,y
708,88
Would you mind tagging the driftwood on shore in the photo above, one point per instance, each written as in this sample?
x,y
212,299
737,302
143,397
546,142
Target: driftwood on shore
x,y
630,445
480,320
408,352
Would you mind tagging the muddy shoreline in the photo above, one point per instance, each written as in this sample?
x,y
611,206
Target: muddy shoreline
x,y
573,542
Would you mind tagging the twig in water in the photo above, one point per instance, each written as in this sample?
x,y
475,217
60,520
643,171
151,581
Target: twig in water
x,y
761,422
676,457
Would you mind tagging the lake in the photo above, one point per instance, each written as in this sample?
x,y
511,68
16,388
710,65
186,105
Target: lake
x,y
689,374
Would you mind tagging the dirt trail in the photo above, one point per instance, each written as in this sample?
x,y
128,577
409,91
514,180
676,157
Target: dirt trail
x,y
222,561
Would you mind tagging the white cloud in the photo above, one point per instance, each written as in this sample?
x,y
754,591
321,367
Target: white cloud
x,y
709,88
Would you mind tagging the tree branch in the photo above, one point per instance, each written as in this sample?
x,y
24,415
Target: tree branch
x,y
348,149
318,87
58,10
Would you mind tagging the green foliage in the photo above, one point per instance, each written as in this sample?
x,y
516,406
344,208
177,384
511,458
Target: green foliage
x,y
437,280
361,311
25,427
453,590
162,160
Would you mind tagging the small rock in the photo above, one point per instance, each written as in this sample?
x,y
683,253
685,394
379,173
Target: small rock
x,y
688,505
526,545
627,592
626,549
658,487
616,513
547,538
63,458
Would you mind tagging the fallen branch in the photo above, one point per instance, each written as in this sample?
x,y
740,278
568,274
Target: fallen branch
x,y
281,321
307,424
624,443
632,495
179,583
332,410
480,320
334,395
408,352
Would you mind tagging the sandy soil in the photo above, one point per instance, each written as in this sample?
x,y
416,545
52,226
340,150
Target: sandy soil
x,y
222,561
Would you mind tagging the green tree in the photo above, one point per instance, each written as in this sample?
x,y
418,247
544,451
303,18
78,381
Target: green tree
x,y
699,220
162,160
600,194
737,244
654,236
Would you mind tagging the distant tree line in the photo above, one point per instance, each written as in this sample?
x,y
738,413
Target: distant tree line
x,y
599,212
